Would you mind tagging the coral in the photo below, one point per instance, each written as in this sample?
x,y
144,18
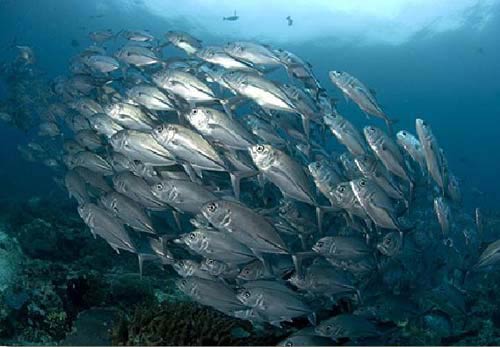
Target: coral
x,y
188,324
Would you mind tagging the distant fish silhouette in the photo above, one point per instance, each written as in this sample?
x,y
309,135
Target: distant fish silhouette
x,y
231,18
290,21
75,43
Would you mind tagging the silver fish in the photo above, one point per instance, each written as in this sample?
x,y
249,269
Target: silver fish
x,y
342,247
137,56
217,245
138,190
101,63
130,212
284,172
184,196
76,187
130,116
151,98
185,85
431,152
93,162
104,125
347,325
252,53
102,223
244,225
89,139
142,146
376,203
184,41
443,214
188,147
218,127
412,146
360,94
93,178
346,133
211,293
218,56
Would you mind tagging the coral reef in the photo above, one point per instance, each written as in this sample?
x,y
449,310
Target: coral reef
x,y
188,324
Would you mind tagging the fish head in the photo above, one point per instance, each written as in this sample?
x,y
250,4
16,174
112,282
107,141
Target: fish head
x,y
199,116
390,244
236,80
342,194
193,239
262,155
360,187
423,129
336,76
365,163
251,271
213,266
234,48
119,140
164,190
184,267
333,120
325,246
326,328
216,212
164,133
372,134
247,296
297,281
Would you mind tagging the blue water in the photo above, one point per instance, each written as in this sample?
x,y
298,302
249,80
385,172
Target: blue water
x,y
450,78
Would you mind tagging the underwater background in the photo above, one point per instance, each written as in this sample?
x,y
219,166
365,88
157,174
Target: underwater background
x,y
437,61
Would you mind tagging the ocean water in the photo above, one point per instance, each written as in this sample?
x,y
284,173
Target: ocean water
x,y
436,60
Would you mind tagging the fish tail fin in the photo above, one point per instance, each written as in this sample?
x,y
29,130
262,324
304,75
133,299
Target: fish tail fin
x,y
389,123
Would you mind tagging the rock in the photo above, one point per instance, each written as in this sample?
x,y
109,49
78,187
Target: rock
x,y
92,328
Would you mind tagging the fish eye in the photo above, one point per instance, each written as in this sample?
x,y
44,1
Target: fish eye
x,y
192,236
160,128
320,244
212,207
329,328
246,294
341,189
195,111
210,261
260,149
159,186
404,133
362,183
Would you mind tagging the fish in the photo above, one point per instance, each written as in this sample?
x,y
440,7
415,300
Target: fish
x,y
218,127
128,211
138,35
101,63
93,179
355,90
411,144
151,97
184,85
218,56
89,139
106,226
342,247
347,326
267,94
346,134
138,190
76,187
138,145
211,293
244,225
255,270
130,116
305,337
184,196
104,125
218,246
376,204
388,152
92,161
284,172
372,169
137,56
273,301
443,213
431,152
188,147
184,41
252,53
